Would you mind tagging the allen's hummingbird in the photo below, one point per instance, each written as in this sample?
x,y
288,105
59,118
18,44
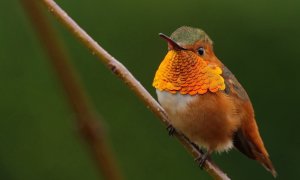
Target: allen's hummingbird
x,y
204,100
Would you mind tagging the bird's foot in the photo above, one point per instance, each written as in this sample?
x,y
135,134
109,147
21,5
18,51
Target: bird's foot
x,y
171,130
201,159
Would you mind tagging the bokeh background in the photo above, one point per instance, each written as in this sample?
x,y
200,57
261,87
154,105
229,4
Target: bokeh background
x,y
258,40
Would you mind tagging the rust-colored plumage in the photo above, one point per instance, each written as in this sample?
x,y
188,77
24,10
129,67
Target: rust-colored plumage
x,y
185,72
204,100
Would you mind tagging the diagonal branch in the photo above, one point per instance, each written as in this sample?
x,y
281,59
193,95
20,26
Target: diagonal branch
x,y
87,120
121,71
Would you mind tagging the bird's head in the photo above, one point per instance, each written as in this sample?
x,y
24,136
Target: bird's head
x,y
191,39
190,66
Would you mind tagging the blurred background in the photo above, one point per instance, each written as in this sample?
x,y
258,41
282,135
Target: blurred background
x,y
258,40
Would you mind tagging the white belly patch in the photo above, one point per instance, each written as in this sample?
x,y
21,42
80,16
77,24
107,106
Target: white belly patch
x,y
176,102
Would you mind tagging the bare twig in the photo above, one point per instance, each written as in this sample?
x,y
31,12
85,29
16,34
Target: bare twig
x,y
88,122
121,71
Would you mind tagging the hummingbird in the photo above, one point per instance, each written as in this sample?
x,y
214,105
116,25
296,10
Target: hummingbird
x,y
204,100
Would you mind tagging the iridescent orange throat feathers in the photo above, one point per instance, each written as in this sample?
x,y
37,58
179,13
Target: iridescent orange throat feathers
x,y
185,72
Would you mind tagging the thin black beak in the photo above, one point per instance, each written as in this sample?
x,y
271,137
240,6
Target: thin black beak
x,y
172,43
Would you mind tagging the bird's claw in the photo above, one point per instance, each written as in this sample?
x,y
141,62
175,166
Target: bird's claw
x,y
171,130
201,159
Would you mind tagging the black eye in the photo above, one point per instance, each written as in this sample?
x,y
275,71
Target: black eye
x,y
201,51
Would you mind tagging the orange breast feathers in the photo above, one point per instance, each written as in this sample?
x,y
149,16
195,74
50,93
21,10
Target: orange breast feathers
x,y
187,73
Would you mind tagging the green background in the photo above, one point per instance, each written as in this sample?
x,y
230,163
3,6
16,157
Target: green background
x,y
258,40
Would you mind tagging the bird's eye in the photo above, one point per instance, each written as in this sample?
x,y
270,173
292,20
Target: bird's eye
x,y
201,51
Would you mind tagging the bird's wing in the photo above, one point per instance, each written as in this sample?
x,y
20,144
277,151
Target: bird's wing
x,y
247,138
235,90
233,87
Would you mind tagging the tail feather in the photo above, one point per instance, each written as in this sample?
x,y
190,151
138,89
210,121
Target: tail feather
x,y
267,163
248,141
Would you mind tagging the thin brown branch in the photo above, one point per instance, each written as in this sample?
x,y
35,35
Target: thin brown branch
x,y
121,71
87,121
